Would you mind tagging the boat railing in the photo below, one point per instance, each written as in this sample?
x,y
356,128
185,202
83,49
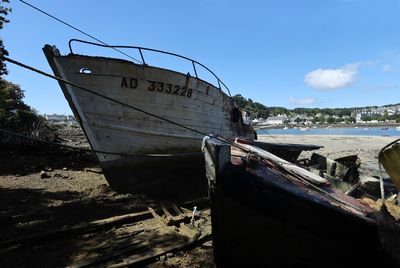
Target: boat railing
x,y
141,49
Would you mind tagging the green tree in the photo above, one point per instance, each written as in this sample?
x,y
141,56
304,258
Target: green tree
x,y
240,101
314,120
3,52
395,117
321,119
350,120
330,120
15,115
367,118
255,109
385,116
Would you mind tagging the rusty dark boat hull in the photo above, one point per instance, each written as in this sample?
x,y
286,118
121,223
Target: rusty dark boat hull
x,y
266,221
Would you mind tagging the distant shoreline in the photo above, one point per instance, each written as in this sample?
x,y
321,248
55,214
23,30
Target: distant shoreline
x,y
363,130
328,125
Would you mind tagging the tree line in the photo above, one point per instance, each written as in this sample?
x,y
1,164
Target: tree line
x,y
258,110
383,117
326,115
15,114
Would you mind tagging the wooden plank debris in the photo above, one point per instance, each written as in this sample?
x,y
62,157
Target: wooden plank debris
x,y
77,229
133,246
158,252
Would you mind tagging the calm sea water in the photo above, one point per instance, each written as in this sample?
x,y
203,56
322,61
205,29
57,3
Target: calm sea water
x,y
360,131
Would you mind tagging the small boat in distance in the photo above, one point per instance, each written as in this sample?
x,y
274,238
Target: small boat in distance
x,y
145,123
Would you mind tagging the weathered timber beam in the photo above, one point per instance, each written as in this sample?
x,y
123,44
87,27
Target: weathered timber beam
x,y
80,228
129,261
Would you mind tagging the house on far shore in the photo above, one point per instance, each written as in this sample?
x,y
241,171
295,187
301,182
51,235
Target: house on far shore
x,y
276,120
60,119
300,119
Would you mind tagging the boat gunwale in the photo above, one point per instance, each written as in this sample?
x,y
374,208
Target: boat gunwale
x,y
146,65
299,196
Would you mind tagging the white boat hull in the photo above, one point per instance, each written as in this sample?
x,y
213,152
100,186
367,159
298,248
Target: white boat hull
x,y
131,145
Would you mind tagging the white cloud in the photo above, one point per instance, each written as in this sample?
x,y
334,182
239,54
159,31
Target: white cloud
x,y
305,101
331,79
386,68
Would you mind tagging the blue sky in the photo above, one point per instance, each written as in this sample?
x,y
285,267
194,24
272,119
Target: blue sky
x,y
290,53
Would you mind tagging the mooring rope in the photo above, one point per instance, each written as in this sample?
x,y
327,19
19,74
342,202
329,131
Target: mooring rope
x,y
381,186
104,43
213,136
216,137
15,134
77,29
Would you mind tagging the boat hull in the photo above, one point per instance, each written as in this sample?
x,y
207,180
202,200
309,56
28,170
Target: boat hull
x,y
166,180
261,219
143,121
267,228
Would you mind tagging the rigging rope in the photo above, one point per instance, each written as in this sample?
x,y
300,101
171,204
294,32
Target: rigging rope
x,y
104,43
120,102
77,29
381,184
98,40
221,139
11,133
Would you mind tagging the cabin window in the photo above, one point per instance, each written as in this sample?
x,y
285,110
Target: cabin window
x,y
85,71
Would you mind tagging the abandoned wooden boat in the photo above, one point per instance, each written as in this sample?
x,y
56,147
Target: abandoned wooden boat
x,y
287,151
139,119
268,212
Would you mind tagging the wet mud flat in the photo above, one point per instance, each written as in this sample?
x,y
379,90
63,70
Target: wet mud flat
x,y
43,190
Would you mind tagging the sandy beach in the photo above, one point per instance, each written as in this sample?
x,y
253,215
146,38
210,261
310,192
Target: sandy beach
x,y
366,147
